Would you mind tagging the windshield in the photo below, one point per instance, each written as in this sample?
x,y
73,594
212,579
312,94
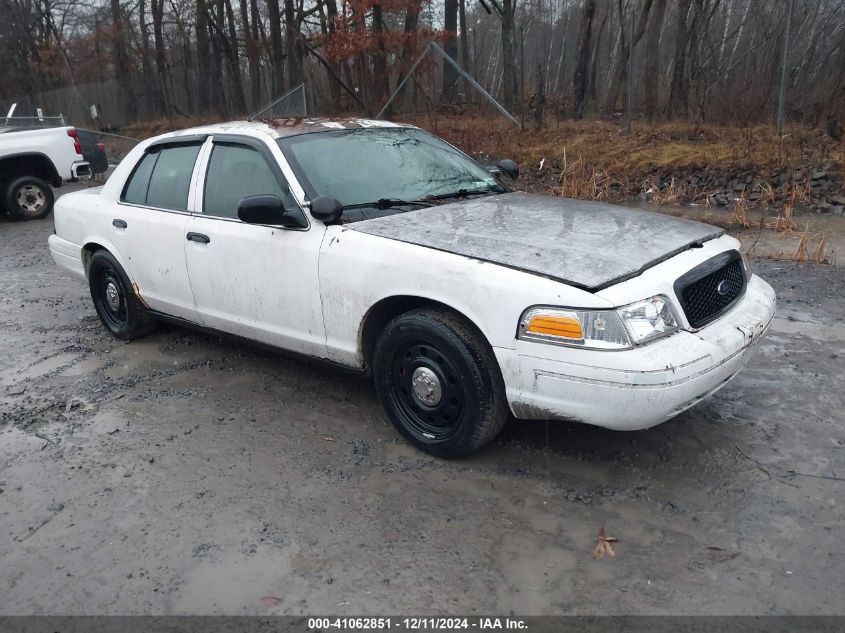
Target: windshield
x,y
364,165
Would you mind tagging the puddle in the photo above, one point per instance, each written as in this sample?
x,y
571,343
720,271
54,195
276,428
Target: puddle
x,y
42,367
234,583
86,366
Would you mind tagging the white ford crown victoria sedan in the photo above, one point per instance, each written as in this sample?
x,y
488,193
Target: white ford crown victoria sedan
x,y
381,247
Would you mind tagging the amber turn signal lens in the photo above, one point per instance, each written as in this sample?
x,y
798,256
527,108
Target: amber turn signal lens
x,y
556,325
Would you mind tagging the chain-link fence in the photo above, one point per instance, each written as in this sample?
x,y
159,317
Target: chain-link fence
x,y
293,103
25,122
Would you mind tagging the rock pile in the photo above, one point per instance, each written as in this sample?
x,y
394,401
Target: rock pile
x,y
820,188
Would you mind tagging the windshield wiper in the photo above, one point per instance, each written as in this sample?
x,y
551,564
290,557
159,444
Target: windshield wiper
x,y
388,203
465,193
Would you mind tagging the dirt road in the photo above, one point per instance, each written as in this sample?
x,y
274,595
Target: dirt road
x,y
185,474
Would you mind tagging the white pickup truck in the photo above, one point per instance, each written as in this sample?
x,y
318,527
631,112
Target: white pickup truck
x,y
31,161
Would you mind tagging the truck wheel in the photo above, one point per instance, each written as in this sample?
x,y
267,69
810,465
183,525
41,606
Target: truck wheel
x,y
29,198
439,383
116,303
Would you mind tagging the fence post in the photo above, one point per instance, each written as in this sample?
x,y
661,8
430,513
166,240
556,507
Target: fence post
x,y
784,69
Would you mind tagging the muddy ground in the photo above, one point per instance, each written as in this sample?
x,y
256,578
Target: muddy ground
x,y
187,474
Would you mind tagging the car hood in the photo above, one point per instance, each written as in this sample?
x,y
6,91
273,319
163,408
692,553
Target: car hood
x,y
589,245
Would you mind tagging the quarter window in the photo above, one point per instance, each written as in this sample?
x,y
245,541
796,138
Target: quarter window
x,y
163,177
139,182
235,172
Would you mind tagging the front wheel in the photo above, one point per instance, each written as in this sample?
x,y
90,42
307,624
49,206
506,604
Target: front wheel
x,y
116,303
29,198
439,383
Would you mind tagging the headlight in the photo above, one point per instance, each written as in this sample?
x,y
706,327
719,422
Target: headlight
x,y
649,319
599,329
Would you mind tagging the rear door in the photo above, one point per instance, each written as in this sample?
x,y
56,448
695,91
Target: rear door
x,y
148,227
256,281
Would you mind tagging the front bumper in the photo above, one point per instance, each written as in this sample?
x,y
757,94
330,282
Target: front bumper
x,y
640,387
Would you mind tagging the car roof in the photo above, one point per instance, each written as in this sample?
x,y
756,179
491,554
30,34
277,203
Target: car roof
x,y
282,127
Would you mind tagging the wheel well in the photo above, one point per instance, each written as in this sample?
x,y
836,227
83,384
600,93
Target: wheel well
x,y
36,165
88,252
384,311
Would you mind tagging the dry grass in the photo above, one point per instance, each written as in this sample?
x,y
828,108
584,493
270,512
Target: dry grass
x,y
648,148
578,181
802,252
671,196
741,212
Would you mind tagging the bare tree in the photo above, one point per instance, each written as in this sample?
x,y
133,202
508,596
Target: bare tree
x,y
580,81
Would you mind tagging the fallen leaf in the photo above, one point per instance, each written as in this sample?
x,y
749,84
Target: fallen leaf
x,y
329,438
603,545
271,600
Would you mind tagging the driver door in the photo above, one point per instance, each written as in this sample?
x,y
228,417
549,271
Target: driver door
x,y
256,281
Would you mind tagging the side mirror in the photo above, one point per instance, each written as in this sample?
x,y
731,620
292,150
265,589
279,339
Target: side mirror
x,y
326,209
509,168
269,209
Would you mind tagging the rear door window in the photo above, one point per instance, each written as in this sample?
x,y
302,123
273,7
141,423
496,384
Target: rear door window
x,y
163,178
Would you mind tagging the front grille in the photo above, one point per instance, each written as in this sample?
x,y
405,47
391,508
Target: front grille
x,y
710,289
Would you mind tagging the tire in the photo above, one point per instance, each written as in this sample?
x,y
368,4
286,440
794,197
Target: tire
x,y
439,383
115,301
29,198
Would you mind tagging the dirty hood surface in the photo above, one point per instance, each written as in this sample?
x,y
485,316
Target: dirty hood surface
x,y
589,245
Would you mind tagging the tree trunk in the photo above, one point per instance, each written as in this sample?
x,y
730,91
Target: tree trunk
x,y
509,87
621,68
450,45
382,80
837,92
203,59
539,97
161,93
292,45
277,64
464,46
652,57
121,61
327,25
679,88
251,54
230,46
595,54
582,59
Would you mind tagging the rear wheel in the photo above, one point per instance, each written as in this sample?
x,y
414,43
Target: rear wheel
x,y
29,198
439,383
116,304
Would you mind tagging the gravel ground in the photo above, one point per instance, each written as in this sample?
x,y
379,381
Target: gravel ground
x,y
183,474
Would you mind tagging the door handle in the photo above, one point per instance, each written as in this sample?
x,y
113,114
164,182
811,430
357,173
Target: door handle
x,y
119,224
199,237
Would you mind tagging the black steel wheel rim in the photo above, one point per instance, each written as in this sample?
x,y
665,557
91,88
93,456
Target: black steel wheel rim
x,y
426,391
111,298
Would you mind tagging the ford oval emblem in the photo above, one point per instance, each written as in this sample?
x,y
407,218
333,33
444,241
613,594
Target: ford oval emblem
x,y
723,287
